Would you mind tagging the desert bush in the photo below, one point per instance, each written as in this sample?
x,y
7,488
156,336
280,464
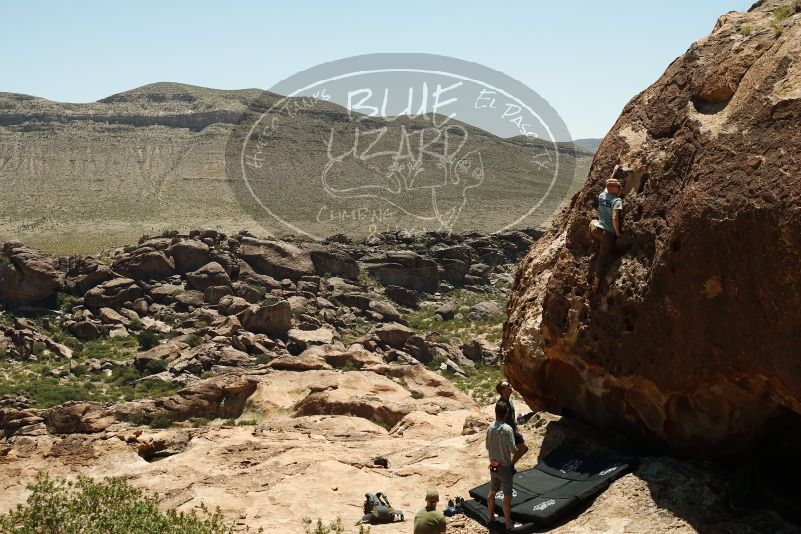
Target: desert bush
x,y
148,339
138,418
198,422
38,348
154,367
46,391
193,340
153,388
318,527
480,382
65,301
111,506
783,12
160,421
118,348
246,422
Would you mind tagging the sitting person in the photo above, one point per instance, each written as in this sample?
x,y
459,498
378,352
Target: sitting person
x,y
429,520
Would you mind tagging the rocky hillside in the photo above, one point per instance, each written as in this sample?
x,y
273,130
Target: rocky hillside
x,y
248,373
81,177
692,342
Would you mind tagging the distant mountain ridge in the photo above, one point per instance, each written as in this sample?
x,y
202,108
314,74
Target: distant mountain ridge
x,y
80,177
590,144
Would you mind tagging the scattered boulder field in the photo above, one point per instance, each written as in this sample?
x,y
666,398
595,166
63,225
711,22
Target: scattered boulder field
x,y
250,373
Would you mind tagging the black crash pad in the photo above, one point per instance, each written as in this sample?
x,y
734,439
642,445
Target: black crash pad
x,y
560,483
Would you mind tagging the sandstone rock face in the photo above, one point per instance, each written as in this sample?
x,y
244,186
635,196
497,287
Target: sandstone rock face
x,y
692,341
26,276
219,396
77,417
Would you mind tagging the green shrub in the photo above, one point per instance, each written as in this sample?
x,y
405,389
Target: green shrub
x,y
46,391
417,394
38,347
124,376
154,367
169,233
783,12
139,418
65,301
118,348
198,422
193,340
148,339
263,358
318,527
246,422
160,421
137,325
111,506
747,30
153,388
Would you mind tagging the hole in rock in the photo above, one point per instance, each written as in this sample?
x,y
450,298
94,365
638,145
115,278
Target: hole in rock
x,y
709,108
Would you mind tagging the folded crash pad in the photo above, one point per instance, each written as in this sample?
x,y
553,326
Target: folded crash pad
x,y
560,483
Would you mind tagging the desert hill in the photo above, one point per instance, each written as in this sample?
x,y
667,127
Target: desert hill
x,y
80,177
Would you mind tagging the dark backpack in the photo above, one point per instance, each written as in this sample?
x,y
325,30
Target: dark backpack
x,y
378,510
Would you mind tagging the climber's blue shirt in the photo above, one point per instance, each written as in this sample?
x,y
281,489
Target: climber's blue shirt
x,y
607,202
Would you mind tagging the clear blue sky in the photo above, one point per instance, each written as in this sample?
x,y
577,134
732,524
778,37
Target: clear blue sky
x,y
587,58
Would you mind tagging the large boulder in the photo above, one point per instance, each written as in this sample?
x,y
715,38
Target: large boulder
x,y
276,258
692,341
404,268
112,293
189,255
332,261
271,319
219,396
145,263
84,273
27,276
211,274
77,418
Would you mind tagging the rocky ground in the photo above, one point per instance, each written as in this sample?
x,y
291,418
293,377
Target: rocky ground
x,y
267,376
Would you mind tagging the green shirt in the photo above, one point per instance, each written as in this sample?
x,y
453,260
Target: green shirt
x,y
429,522
607,203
